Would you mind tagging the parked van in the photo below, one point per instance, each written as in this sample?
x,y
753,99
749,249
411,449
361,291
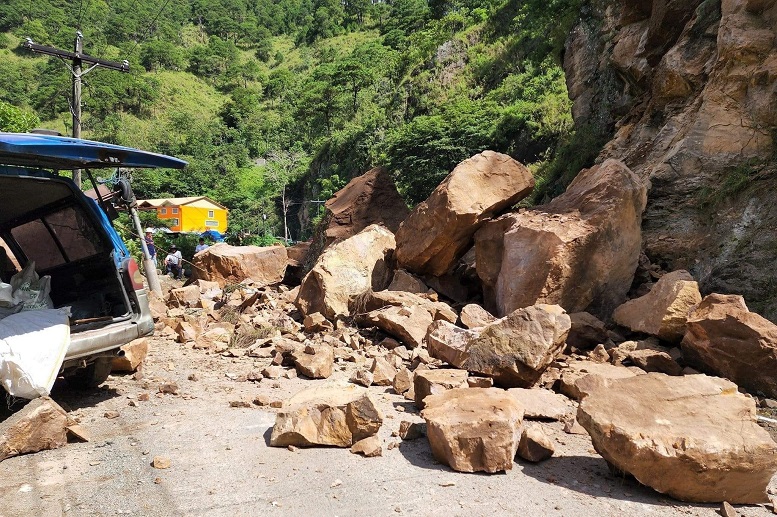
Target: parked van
x,y
45,218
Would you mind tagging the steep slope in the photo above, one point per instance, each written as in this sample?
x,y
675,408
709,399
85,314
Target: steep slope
x,y
689,91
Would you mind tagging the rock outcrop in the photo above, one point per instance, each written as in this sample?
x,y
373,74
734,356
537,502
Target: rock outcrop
x,y
579,251
663,312
439,230
687,90
345,269
514,350
724,338
693,438
474,429
227,264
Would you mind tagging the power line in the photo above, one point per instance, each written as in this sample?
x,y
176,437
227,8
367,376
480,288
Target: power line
x,y
148,29
80,5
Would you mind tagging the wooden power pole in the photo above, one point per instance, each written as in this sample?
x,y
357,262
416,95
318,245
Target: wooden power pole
x,y
78,59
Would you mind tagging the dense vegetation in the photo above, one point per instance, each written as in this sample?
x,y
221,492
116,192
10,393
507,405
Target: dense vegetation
x,y
276,104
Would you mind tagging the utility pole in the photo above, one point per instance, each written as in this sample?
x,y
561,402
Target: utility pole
x,y
78,59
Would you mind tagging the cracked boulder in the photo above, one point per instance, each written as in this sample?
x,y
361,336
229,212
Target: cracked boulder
x,y
694,438
439,230
663,312
337,414
580,251
724,338
514,350
474,429
347,268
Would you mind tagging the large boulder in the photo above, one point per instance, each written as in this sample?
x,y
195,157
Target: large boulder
x,y
335,414
345,269
474,429
694,438
440,229
580,378
579,251
724,338
434,382
663,312
405,316
371,198
40,425
227,264
514,350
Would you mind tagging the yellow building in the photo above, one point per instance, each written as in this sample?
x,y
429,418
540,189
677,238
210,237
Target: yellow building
x,y
189,214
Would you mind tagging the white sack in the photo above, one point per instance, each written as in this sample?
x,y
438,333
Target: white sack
x,y
32,347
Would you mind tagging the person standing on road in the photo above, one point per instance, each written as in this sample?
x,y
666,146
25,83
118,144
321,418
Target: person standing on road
x,y
150,244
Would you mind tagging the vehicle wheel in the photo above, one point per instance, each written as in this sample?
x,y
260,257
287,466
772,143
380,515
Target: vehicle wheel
x,y
92,376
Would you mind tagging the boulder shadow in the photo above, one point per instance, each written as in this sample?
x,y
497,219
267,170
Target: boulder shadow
x,y
592,477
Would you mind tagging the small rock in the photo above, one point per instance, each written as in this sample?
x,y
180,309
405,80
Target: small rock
x,y
273,372
382,371
292,448
411,430
111,414
480,382
726,510
161,462
599,354
261,400
240,403
535,445
336,483
369,447
143,397
362,377
403,381
571,426
277,404
170,388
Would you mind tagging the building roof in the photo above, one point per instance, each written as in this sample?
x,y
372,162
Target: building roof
x,y
178,201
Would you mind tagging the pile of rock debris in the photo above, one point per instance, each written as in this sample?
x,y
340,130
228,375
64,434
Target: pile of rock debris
x,y
486,320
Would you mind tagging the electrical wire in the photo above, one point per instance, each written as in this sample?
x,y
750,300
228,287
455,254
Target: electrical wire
x,y
148,29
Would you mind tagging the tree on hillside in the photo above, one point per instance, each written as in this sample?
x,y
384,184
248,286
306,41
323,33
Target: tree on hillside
x,y
16,120
283,167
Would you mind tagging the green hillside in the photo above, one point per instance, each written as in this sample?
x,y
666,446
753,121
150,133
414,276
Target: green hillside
x,y
296,97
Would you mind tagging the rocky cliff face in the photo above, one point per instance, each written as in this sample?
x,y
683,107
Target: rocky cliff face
x,y
688,90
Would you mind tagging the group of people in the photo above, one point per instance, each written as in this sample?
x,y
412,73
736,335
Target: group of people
x,y
174,260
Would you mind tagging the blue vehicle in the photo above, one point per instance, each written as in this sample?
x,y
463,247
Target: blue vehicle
x,y
44,217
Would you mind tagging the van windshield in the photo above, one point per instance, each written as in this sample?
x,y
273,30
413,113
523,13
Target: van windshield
x,y
65,235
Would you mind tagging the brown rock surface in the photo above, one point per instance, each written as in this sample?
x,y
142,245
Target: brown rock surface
x,y
587,331
433,382
227,264
383,372
582,377
369,447
663,312
686,92
535,445
544,255
38,426
346,269
540,404
724,338
655,361
514,350
404,281
371,198
335,414
316,365
440,229
693,438
134,354
473,316
474,429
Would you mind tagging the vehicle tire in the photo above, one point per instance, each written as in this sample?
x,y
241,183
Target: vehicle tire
x,y
92,376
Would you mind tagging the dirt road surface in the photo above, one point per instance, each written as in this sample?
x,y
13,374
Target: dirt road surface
x,y
221,464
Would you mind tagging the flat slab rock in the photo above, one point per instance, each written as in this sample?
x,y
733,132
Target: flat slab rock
x,y
474,429
541,404
338,414
582,377
693,438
